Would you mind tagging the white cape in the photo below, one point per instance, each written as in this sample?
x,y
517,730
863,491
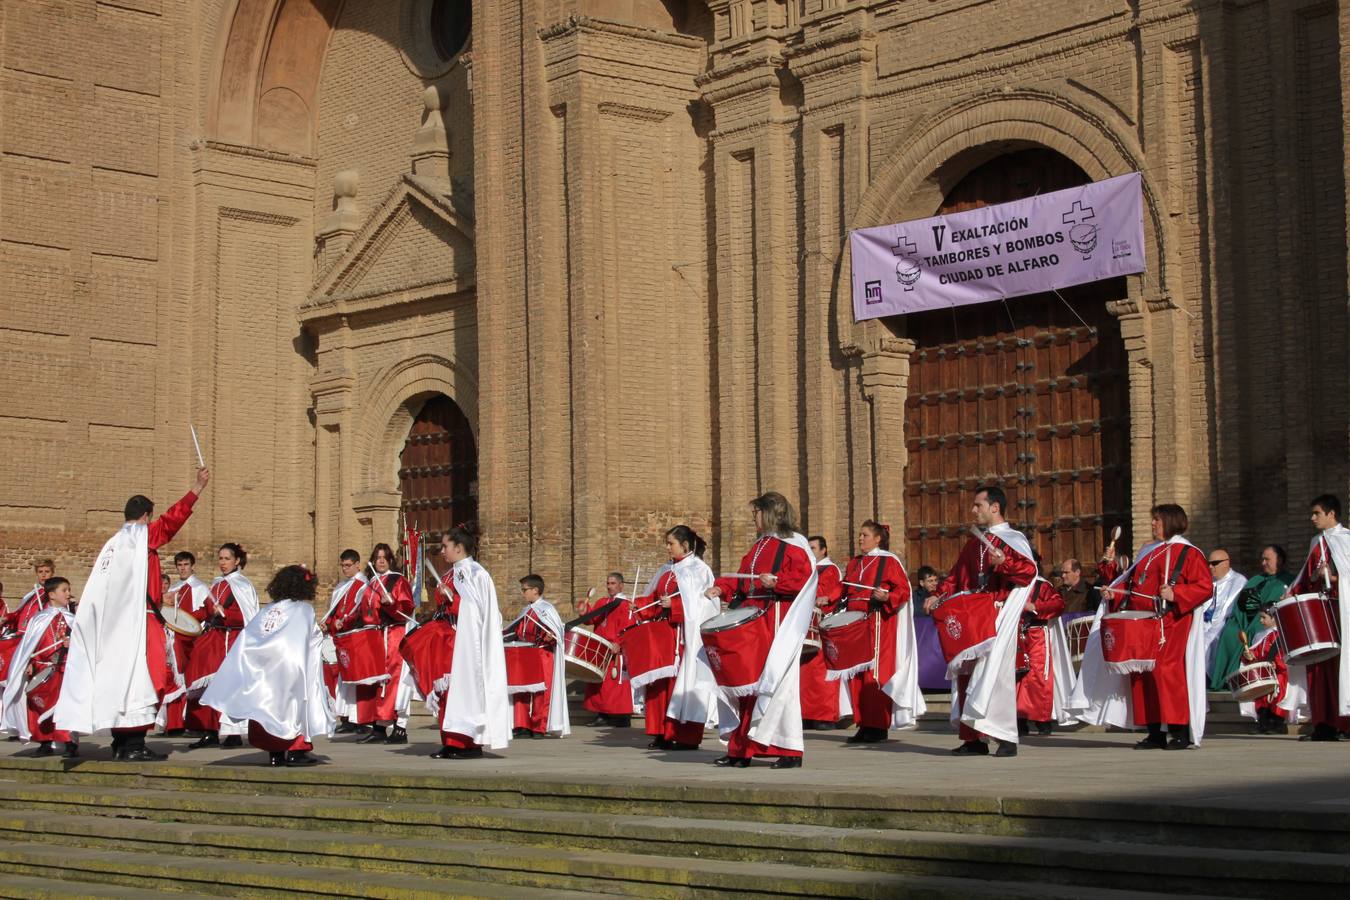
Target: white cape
x,y
907,703
107,683
200,591
693,697
777,716
991,693
1219,607
344,700
1104,697
273,675
557,699
1295,701
476,704
1063,677
14,714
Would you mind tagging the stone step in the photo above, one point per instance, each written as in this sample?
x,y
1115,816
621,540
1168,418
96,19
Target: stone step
x,y
1157,822
266,861
73,813
36,887
147,872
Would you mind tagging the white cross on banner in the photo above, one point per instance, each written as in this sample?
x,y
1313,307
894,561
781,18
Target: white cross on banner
x,y
1030,246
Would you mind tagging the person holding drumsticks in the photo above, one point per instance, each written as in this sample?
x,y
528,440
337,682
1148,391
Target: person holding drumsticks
x,y
231,604
777,575
28,712
189,595
1328,680
389,602
876,583
999,567
1172,577
824,702
612,699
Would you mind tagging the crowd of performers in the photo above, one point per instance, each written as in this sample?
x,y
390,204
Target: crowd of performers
x,y
785,642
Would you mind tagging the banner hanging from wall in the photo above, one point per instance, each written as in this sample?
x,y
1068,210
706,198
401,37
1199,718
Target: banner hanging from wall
x,y
1030,246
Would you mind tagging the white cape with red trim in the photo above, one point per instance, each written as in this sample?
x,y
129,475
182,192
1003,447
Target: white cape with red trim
x,y
107,682
14,714
476,704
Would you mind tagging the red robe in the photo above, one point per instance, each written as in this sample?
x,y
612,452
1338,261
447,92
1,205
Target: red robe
x,y
530,710
820,698
795,571
1036,688
348,607
450,606
1161,696
175,713
36,602
872,708
1324,677
613,696
375,702
658,693
50,652
972,571
1268,649
224,619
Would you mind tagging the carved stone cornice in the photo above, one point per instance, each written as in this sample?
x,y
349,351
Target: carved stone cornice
x,y
575,24
833,49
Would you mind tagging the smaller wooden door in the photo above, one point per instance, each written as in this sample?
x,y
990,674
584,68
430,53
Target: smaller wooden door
x,y
438,469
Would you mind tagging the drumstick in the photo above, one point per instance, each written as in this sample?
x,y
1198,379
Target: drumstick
x,y
975,530
1326,566
866,587
197,444
655,602
744,576
435,576
379,581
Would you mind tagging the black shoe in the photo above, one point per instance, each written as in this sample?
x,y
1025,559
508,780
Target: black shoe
x,y
376,735
1279,726
1178,742
972,748
44,749
1006,748
1321,733
276,760
1044,729
597,722
860,737
519,733
233,740
298,758
72,750
345,727
621,721
732,762
787,762
817,725
397,736
140,754
535,735
207,741
117,742
658,744
1152,742
676,745
1022,727
458,753
443,753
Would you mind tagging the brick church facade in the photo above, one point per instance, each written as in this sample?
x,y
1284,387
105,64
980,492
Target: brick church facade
x,y
577,269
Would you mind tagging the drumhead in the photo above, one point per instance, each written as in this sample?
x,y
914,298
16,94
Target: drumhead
x,y
1130,614
328,650
1299,598
589,635
731,619
39,677
840,619
181,621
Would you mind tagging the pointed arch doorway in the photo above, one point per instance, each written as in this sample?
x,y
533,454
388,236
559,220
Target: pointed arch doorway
x,y
438,469
1021,393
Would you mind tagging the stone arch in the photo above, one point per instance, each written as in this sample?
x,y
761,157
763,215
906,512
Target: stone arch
x,y
390,404
953,142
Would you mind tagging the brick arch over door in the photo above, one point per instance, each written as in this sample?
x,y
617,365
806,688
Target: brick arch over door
x,y
1023,393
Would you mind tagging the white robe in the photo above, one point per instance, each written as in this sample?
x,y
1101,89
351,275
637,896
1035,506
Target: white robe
x,y
273,675
107,682
776,719
477,705
991,693
1217,609
14,703
1104,697
547,613
693,696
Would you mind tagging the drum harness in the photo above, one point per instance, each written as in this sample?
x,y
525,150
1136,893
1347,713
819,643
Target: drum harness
x,y
740,598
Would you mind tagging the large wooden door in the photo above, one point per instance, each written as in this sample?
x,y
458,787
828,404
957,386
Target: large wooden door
x,y
438,470
1022,394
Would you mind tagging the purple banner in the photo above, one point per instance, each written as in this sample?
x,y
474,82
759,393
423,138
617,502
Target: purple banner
x,y
1073,236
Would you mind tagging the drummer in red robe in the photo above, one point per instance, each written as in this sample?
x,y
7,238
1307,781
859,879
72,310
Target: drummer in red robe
x,y
1172,575
52,648
389,601
663,608
35,600
887,590
997,572
230,603
820,697
612,699
1036,671
189,596
530,709
1327,712
781,570
1265,647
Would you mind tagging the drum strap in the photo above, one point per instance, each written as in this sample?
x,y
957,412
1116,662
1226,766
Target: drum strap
x,y
773,570
598,613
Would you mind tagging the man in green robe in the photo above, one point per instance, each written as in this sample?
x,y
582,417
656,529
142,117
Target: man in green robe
x,y
1260,590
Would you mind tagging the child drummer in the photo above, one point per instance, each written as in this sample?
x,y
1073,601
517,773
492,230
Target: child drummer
x,y
1270,718
542,712
45,645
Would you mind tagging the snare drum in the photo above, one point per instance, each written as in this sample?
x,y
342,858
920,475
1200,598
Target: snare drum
x,y
361,656
811,645
1130,641
180,621
429,651
847,641
1308,629
1254,680
44,688
965,628
1076,632
649,651
7,647
737,643
525,668
587,655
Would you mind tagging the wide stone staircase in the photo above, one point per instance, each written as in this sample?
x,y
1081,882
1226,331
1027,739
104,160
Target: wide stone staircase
x,y
94,828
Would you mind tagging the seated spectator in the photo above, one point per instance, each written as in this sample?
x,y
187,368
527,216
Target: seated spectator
x,y
1073,587
1260,590
925,583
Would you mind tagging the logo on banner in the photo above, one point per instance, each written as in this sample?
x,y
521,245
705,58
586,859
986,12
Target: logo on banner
x,y
872,293
907,270
1082,233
